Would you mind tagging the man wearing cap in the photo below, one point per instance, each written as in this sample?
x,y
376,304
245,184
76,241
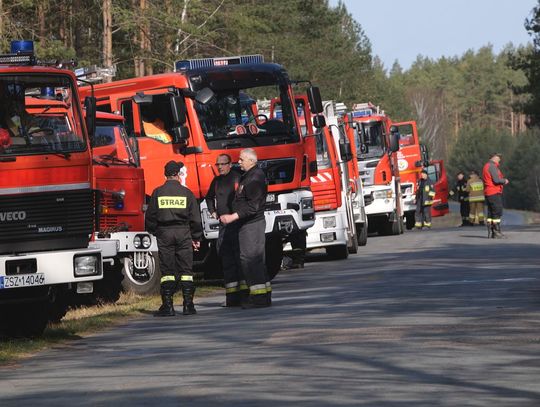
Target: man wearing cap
x,y
424,199
494,182
219,201
173,216
248,206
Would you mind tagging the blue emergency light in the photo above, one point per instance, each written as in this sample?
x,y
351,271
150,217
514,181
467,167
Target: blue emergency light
x,y
362,113
48,93
186,64
22,53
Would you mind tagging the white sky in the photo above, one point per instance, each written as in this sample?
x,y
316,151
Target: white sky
x,y
403,29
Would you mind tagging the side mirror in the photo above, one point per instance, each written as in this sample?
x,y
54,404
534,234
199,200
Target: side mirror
x,y
204,96
394,139
180,135
90,118
141,99
345,150
424,154
315,100
319,121
178,108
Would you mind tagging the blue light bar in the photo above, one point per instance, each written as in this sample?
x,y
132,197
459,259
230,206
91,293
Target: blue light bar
x,y
186,64
22,53
362,113
22,47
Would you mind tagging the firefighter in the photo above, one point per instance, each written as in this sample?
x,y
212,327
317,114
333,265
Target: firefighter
x,y
494,182
248,206
296,257
424,199
173,215
219,201
475,189
460,190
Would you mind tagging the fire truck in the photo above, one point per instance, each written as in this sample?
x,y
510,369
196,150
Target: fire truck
x,y
412,157
46,197
129,253
195,114
377,145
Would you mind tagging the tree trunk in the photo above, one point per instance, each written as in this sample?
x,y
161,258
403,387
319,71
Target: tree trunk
x,y
107,36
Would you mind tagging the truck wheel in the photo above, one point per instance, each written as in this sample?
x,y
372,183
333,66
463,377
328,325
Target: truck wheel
x,y
353,248
361,232
141,281
409,220
26,320
273,255
340,252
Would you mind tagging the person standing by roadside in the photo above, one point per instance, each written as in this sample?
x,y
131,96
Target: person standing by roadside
x,y
460,190
219,200
475,189
174,217
424,200
248,206
494,182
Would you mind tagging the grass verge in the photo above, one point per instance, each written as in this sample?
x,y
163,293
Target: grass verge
x,y
83,321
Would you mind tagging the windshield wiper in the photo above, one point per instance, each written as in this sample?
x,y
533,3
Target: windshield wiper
x,y
97,162
117,160
63,154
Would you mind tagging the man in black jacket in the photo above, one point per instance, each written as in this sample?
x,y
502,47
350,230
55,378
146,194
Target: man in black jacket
x,y
219,201
460,190
174,217
248,207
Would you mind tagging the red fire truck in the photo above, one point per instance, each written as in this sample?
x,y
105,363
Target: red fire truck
x,y
412,157
129,253
195,114
46,197
377,148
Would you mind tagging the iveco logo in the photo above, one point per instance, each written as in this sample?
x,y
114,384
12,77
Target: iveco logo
x,y
11,216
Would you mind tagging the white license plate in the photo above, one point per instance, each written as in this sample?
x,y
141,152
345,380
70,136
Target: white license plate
x,y
270,198
23,280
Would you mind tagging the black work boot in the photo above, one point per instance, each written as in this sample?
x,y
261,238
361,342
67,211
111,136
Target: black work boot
x,y
257,301
490,230
167,308
497,234
188,291
232,300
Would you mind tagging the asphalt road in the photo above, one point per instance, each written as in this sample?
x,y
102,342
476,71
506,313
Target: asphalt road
x,y
444,317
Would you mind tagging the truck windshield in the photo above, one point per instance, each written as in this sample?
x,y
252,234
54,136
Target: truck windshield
x,y
111,143
231,118
39,114
373,134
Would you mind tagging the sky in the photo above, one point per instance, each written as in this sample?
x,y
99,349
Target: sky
x,y
404,29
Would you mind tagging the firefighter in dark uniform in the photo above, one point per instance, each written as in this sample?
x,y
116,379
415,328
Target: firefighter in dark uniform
x,y
219,201
248,207
173,216
424,200
462,195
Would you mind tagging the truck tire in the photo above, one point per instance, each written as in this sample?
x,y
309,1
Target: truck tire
x,y
340,252
27,320
361,232
273,255
142,281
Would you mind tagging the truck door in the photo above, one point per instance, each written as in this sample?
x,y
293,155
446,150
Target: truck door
x,y
437,174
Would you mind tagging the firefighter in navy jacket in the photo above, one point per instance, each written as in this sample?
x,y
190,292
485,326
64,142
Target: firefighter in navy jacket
x,y
173,215
424,199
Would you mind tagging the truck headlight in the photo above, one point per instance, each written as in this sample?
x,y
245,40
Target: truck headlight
x,y
146,241
306,203
329,222
137,242
384,194
87,265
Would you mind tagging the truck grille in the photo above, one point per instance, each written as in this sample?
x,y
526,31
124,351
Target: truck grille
x,y
46,220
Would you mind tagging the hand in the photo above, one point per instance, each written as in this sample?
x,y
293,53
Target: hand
x,y
196,245
226,219
214,215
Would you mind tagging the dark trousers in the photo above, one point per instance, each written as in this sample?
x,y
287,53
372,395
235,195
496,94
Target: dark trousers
x,y
229,252
464,209
252,241
494,207
298,245
422,216
175,258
